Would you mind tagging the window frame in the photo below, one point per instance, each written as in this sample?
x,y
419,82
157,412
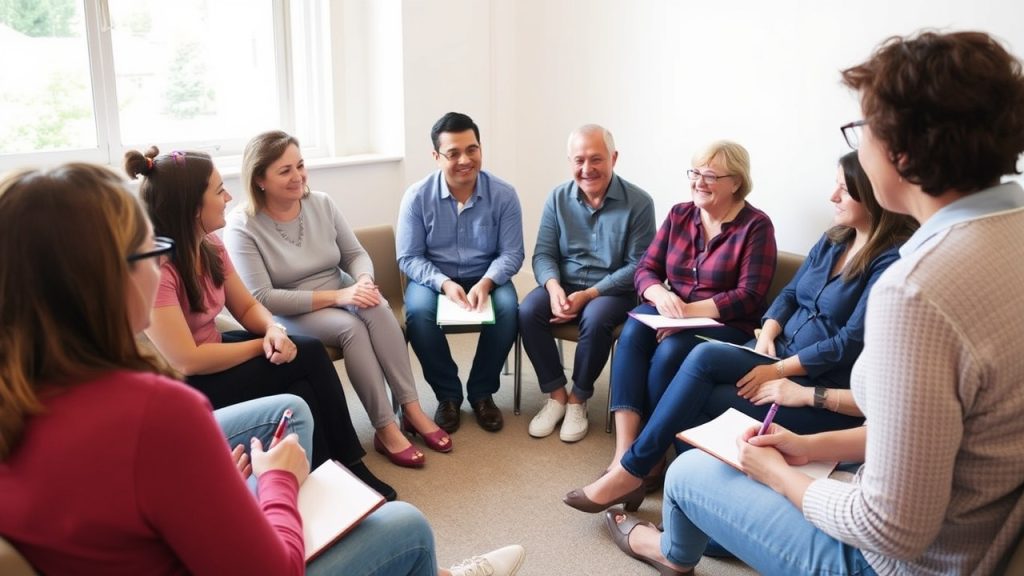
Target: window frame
x,y
314,52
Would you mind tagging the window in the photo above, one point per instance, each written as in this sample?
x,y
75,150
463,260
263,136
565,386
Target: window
x,y
97,77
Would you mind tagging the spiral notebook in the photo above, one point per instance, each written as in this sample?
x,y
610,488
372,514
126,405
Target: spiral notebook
x,y
332,501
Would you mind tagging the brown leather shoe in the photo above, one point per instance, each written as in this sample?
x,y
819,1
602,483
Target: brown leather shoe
x,y
487,414
448,416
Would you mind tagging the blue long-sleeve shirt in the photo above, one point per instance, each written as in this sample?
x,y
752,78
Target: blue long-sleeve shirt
x,y
822,315
435,242
599,247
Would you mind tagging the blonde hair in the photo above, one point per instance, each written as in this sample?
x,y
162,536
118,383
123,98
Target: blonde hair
x,y
65,235
734,158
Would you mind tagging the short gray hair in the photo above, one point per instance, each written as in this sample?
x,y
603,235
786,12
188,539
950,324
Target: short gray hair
x,y
609,141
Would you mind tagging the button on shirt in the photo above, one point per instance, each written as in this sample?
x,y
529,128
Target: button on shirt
x,y
822,314
437,242
583,246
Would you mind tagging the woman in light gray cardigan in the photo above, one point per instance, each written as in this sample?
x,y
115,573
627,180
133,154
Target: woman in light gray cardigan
x,y
296,253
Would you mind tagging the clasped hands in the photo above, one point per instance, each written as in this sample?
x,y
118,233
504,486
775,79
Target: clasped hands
x,y
566,307
762,385
278,347
363,294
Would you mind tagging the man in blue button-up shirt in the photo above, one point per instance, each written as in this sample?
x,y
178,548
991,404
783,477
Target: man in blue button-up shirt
x,y
460,233
594,230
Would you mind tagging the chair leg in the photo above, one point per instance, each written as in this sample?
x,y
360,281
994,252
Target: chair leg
x,y
608,411
504,369
518,378
561,353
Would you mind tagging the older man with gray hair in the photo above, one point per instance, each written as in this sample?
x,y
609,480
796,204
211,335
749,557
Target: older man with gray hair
x,y
594,230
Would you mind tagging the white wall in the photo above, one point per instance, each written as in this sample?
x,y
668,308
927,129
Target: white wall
x,y
666,76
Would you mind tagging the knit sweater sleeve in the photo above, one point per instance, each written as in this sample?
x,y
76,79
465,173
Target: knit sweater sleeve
x,y
897,508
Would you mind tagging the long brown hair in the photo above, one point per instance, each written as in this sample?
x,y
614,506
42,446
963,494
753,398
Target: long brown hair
x,y
172,188
65,235
887,229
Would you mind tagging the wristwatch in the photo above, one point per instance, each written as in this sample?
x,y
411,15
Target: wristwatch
x,y
820,394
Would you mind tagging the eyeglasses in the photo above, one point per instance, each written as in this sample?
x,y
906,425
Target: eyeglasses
x,y
456,155
163,248
695,175
852,132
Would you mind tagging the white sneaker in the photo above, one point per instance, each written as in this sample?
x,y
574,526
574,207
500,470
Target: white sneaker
x,y
501,562
543,424
575,424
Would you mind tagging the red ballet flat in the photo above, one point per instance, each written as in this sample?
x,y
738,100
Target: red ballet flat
x,y
408,458
438,440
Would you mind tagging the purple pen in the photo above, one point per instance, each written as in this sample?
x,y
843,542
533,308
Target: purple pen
x,y
768,419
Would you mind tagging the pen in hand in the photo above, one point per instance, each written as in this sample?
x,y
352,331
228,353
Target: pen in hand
x,y
768,419
282,427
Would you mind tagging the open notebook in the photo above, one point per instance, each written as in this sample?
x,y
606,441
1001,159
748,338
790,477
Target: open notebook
x,y
332,501
450,314
718,438
657,321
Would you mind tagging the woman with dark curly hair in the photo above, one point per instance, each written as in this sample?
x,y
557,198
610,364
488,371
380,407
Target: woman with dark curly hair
x,y
941,487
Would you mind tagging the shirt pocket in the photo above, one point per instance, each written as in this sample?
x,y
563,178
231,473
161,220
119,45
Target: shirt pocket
x,y
483,236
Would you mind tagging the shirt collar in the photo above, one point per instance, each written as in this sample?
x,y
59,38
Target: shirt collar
x,y
479,190
1002,198
615,191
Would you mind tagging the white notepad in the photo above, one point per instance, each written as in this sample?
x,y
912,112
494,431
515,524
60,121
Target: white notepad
x,y
657,321
451,314
740,346
718,438
332,501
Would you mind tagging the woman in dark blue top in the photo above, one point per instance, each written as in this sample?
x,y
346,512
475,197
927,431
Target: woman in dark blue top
x,y
816,328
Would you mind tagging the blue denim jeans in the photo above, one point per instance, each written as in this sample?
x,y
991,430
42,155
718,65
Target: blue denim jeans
x,y
704,387
393,541
705,497
259,418
644,367
431,347
597,322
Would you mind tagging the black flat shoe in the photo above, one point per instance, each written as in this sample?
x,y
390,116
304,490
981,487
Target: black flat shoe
x,y
448,416
364,474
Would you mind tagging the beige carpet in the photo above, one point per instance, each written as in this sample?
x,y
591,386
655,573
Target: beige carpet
x,y
505,488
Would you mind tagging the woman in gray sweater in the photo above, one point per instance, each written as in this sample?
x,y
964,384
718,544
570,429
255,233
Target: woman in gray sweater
x,y
296,253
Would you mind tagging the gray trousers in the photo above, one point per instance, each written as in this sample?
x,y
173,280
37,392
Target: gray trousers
x,y
374,349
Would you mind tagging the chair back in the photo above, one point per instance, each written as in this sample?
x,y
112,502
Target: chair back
x,y
785,269
379,243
